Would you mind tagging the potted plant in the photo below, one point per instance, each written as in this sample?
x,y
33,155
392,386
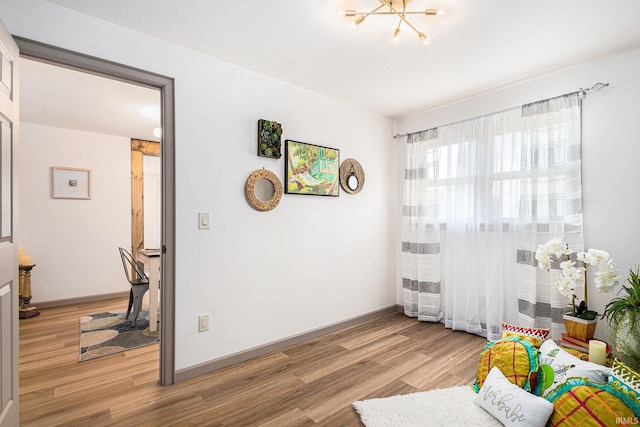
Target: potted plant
x,y
580,322
623,314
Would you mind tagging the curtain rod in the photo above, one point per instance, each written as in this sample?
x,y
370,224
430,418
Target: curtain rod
x,y
596,88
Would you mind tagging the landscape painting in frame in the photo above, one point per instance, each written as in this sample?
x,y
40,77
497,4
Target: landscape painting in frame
x,y
312,169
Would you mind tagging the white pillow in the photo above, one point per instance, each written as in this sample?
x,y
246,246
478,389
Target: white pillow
x,y
510,404
566,365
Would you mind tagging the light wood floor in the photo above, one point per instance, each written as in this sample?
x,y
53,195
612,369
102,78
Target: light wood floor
x,y
312,383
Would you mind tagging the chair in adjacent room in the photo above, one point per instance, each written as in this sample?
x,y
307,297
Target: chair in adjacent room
x,y
134,270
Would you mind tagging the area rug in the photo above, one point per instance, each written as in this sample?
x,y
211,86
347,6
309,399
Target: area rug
x,y
443,407
108,333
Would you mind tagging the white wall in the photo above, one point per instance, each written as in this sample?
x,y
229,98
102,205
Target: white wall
x,y
74,242
611,151
263,276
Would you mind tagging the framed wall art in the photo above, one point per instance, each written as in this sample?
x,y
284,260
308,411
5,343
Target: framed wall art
x,y
70,183
311,169
269,142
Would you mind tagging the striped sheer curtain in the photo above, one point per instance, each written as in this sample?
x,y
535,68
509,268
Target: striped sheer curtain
x,y
479,196
551,203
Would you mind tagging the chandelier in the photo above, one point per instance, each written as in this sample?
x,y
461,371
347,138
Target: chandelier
x,y
397,8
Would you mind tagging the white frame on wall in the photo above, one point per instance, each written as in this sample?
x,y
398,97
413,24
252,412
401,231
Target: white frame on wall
x,y
70,183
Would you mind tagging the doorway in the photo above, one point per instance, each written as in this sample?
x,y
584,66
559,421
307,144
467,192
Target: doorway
x,y
55,56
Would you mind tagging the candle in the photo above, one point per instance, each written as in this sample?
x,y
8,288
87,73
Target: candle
x,y
21,253
26,260
597,352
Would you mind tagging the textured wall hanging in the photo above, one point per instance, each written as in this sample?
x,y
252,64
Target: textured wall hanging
x,y
351,176
257,201
269,139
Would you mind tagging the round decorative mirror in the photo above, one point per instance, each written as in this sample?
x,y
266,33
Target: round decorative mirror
x,y
351,176
352,182
263,190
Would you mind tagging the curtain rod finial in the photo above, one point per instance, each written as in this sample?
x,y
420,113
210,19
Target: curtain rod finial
x,y
599,86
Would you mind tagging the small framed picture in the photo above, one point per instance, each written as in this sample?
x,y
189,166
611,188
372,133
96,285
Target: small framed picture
x,y
70,183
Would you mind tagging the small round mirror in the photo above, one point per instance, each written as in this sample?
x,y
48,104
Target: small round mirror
x,y
264,190
352,182
351,176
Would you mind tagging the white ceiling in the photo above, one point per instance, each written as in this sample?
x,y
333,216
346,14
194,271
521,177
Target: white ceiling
x,y
55,96
478,46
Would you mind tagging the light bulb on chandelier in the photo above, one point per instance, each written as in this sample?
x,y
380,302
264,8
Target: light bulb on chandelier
x,y
397,8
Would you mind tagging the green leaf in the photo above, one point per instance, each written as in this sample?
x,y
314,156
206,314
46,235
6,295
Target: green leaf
x,y
581,308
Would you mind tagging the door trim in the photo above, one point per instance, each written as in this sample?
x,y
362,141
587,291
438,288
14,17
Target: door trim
x,y
53,55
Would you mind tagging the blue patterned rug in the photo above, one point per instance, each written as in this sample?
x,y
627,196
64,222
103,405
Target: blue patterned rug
x,y
108,333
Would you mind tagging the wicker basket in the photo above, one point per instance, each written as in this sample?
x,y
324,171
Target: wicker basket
x,y
580,328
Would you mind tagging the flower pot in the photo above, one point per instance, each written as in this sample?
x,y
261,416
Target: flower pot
x,y
626,339
581,329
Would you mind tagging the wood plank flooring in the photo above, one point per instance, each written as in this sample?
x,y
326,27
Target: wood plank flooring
x,y
312,383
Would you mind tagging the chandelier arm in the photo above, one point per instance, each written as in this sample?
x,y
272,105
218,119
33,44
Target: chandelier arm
x,y
400,15
387,13
373,12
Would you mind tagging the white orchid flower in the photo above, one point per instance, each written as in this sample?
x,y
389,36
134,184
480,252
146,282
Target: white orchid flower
x,y
569,270
543,257
606,277
568,264
566,286
557,247
585,257
598,256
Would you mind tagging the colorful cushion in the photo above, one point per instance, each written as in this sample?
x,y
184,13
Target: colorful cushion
x,y
510,404
578,402
585,356
625,378
535,336
565,365
517,360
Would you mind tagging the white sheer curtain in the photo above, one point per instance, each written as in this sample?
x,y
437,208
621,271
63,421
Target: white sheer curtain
x,y
551,203
480,195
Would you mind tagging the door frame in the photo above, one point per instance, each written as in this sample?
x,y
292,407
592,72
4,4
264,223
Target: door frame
x,y
53,55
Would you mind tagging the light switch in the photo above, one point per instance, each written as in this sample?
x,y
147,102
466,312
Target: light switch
x,y
203,221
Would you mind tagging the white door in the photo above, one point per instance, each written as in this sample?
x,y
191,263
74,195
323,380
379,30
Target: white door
x,y
8,251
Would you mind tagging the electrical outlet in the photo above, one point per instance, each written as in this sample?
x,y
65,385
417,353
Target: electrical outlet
x,y
203,323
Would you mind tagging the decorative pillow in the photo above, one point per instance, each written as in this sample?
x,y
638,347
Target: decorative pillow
x,y
565,365
535,336
510,404
516,359
585,356
625,378
578,402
